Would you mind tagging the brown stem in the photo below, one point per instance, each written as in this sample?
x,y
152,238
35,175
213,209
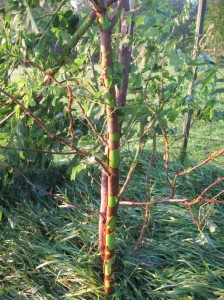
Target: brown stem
x,y
166,156
5,104
99,6
181,200
143,204
56,197
70,97
200,197
128,179
143,230
113,149
213,201
193,218
49,76
147,212
212,156
7,118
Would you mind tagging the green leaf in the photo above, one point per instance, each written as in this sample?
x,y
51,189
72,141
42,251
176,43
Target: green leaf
x,y
139,20
150,21
105,24
172,114
76,170
87,142
30,20
204,78
4,211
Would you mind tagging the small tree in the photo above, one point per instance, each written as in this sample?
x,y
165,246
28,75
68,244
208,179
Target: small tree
x,y
63,105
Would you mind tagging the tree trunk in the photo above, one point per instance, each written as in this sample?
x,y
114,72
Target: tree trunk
x,y
188,116
110,184
113,152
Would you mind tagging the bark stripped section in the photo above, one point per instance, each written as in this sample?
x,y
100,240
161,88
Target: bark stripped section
x,y
113,150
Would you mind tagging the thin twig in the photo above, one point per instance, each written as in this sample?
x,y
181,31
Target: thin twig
x,y
143,230
56,197
38,120
200,197
143,204
128,178
7,118
213,200
5,104
166,158
147,212
135,162
38,150
90,122
49,76
193,218
69,107
212,156
54,136
54,15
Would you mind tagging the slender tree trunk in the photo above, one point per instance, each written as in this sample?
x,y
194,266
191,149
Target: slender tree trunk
x,y
188,116
113,152
110,184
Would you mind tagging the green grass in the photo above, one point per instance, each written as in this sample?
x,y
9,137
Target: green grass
x,y
48,252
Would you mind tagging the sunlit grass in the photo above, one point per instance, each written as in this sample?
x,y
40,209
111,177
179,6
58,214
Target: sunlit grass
x,y
47,252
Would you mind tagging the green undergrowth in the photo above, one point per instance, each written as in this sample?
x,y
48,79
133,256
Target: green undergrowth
x,y
50,252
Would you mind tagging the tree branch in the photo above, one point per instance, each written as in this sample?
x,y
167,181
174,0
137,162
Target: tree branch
x,y
200,197
143,204
70,128
5,104
171,185
7,118
133,165
38,150
212,156
54,136
56,197
143,230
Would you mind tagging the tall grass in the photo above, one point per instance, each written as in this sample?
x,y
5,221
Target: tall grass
x,y
49,252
